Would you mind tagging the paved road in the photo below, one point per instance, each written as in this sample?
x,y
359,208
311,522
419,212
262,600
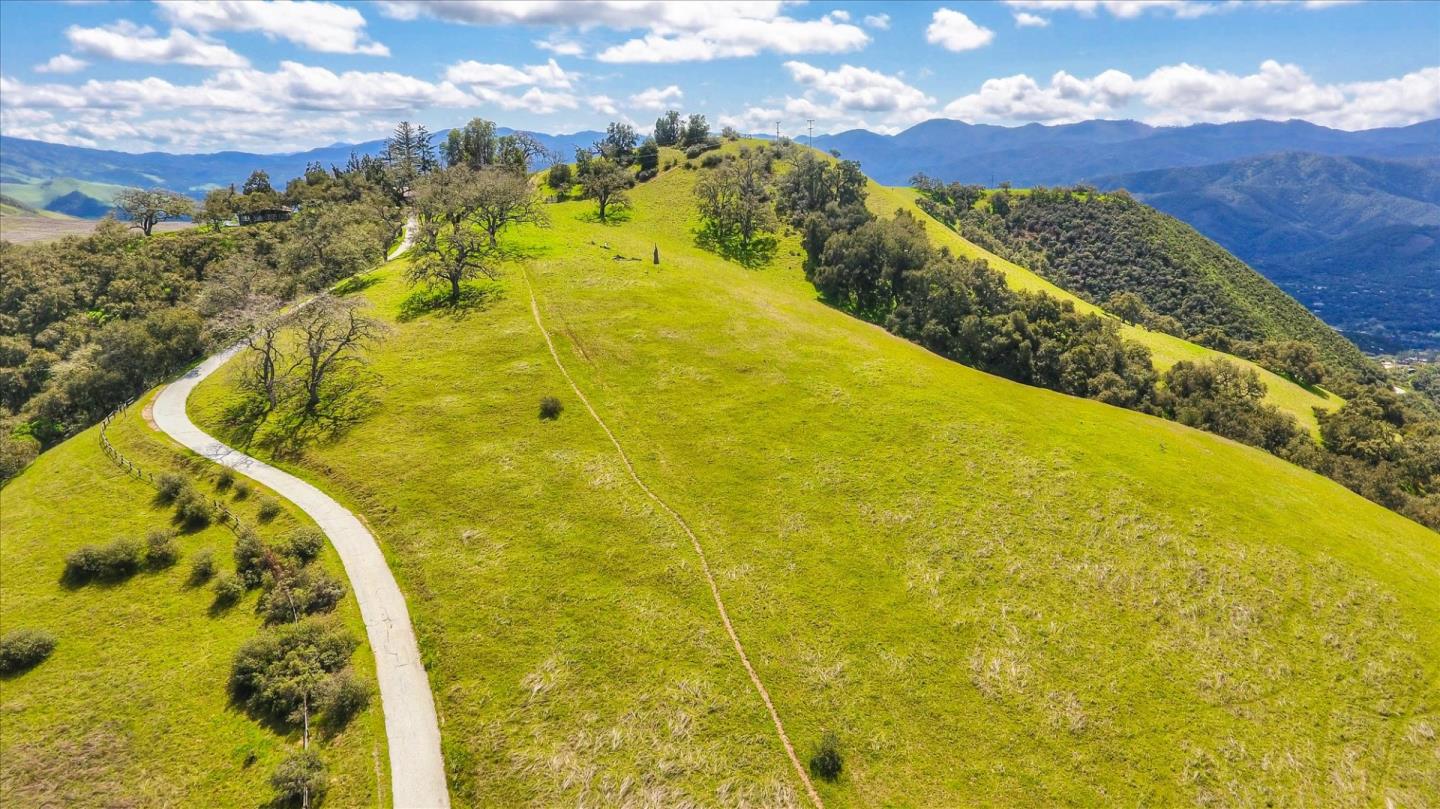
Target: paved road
x,y
417,771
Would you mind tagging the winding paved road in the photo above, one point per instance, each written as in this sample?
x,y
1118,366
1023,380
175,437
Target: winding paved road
x,y
417,771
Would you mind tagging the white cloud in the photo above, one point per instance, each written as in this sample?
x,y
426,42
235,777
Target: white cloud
x,y
560,47
62,63
318,26
549,75
880,21
1185,94
657,98
1025,19
1129,9
128,42
839,14
860,88
675,32
603,104
956,32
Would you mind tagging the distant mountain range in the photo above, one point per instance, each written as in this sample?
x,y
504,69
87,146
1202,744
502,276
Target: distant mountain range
x,y
1348,222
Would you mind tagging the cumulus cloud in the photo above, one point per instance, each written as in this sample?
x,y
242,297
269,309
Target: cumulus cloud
x,y
880,21
317,26
62,63
657,98
560,47
127,42
860,88
956,32
603,104
1025,19
1185,94
675,32
549,75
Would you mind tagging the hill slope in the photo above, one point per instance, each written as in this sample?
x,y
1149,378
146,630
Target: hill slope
x,y
966,579
1347,236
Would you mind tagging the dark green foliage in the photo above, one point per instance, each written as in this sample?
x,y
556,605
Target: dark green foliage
x,y
269,509
826,762
560,177
697,130
24,649
193,510
647,157
161,549
229,589
252,559
710,161
300,779
550,408
344,696
814,184
1226,399
225,480
170,485
619,143
302,545
701,147
668,129
202,567
1099,246
242,490
118,560
309,592
277,672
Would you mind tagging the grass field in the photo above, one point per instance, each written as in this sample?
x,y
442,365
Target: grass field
x,y
23,228
132,707
993,594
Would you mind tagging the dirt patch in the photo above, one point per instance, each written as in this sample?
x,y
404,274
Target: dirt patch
x,y
68,770
149,415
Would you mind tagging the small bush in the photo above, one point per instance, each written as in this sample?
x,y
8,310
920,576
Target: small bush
x,y
645,175
550,408
161,550
250,561
269,509
345,695
701,148
242,490
302,544
24,649
192,510
224,480
689,166
299,777
170,486
309,592
229,589
711,161
202,567
118,560
826,762
560,177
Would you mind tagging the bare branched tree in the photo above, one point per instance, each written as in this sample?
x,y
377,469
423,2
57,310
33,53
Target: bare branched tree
x,y
332,334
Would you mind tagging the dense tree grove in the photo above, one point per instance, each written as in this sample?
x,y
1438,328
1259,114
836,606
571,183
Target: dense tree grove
x,y
1099,245
1378,444
87,322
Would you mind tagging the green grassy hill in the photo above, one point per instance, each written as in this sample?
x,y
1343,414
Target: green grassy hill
x,y
991,593
131,709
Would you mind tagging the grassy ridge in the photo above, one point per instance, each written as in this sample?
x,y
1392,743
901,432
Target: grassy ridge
x,y
1166,349
132,707
992,593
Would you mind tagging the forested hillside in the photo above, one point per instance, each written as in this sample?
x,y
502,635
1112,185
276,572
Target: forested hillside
x,y
1102,246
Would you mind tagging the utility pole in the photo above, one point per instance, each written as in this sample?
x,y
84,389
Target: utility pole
x,y
810,122
777,130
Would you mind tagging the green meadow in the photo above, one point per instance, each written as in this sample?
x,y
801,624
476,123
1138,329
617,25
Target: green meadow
x,y
992,594
131,709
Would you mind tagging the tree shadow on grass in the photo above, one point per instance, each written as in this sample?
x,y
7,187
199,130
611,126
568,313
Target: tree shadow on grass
x,y
758,253
613,217
436,300
356,283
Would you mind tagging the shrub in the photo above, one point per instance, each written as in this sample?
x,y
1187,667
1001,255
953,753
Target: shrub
x,y
560,177
269,509
229,589
645,175
170,486
300,778
344,697
242,490
161,550
309,592
701,148
261,676
118,560
710,161
24,649
224,480
250,561
202,567
550,408
192,510
303,544
826,762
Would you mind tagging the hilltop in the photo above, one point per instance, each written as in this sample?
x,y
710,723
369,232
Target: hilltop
x,y
965,579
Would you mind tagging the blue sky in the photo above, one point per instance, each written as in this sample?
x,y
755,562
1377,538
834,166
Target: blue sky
x,y
185,76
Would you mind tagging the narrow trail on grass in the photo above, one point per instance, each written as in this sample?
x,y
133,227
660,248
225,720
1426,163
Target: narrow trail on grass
x,y
412,732
694,542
